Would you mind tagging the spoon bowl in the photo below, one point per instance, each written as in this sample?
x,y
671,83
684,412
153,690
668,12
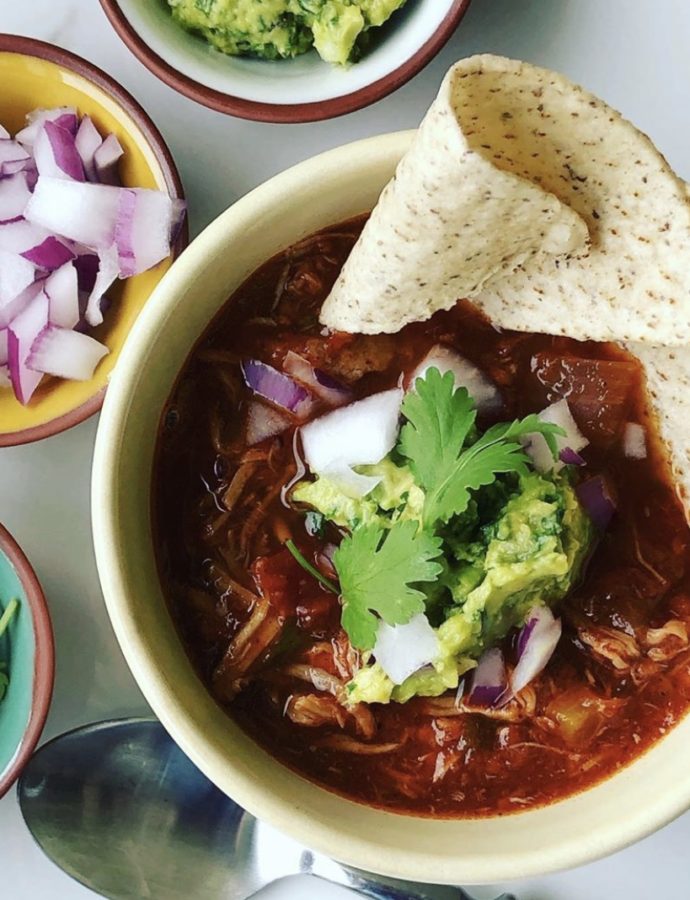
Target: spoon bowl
x,y
121,809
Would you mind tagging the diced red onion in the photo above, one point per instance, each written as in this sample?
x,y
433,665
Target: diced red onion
x,y
65,353
64,116
355,435
536,643
479,386
142,228
10,310
108,268
55,153
489,683
570,457
320,383
16,274
21,237
64,240
87,141
12,155
4,133
63,294
5,380
80,211
23,331
634,441
13,167
594,496
401,650
264,422
573,441
87,266
277,387
14,195
50,254
106,159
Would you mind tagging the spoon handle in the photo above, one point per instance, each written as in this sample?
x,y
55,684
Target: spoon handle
x,y
382,888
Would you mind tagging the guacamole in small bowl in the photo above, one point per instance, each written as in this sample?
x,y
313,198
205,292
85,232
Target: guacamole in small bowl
x,y
282,29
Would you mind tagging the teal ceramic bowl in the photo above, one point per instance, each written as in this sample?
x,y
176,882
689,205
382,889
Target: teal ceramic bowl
x,y
27,648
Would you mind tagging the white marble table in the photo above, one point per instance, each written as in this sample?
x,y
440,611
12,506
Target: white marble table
x,y
632,52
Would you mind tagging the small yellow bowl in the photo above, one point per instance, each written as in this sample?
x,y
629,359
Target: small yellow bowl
x,y
34,74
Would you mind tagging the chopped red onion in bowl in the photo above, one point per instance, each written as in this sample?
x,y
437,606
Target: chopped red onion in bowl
x,y
65,353
23,331
62,290
51,253
65,237
87,141
55,153
106,159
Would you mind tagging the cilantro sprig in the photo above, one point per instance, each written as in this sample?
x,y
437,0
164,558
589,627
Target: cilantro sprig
x,y
378,569
440,419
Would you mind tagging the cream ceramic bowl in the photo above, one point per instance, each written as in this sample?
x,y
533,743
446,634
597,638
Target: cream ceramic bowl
x,y
320,192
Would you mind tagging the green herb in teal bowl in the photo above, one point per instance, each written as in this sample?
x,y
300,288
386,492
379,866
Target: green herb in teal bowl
x,y
26,660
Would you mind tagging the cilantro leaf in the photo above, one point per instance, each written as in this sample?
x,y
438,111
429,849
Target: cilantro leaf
x,y
440,420
377,569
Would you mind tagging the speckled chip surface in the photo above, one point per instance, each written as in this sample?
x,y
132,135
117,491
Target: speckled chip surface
x,y
448,226
450,220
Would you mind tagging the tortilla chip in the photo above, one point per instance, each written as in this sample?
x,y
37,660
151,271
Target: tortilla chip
x,y
450,220
667,372
634,284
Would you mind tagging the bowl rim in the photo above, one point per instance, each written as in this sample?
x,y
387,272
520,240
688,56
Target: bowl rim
x,y
284,113
44,658
25,46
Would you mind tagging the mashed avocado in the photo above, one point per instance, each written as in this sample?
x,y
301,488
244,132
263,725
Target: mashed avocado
x,y
518,544
282,29
396,498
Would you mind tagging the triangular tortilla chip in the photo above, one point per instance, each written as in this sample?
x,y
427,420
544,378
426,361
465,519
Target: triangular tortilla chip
x,y
634,284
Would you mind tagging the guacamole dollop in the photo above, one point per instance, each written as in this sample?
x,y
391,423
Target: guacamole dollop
x,y
519,544
282,29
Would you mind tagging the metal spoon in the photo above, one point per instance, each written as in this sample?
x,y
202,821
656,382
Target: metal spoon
x,y
120,808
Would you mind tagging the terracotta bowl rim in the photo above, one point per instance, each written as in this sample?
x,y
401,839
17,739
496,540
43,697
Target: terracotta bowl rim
x,y
284,113
44,658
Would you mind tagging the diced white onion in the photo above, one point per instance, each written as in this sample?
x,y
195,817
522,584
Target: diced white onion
x,y
351,483
634,441
401,650
482,389
536,446
355,435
